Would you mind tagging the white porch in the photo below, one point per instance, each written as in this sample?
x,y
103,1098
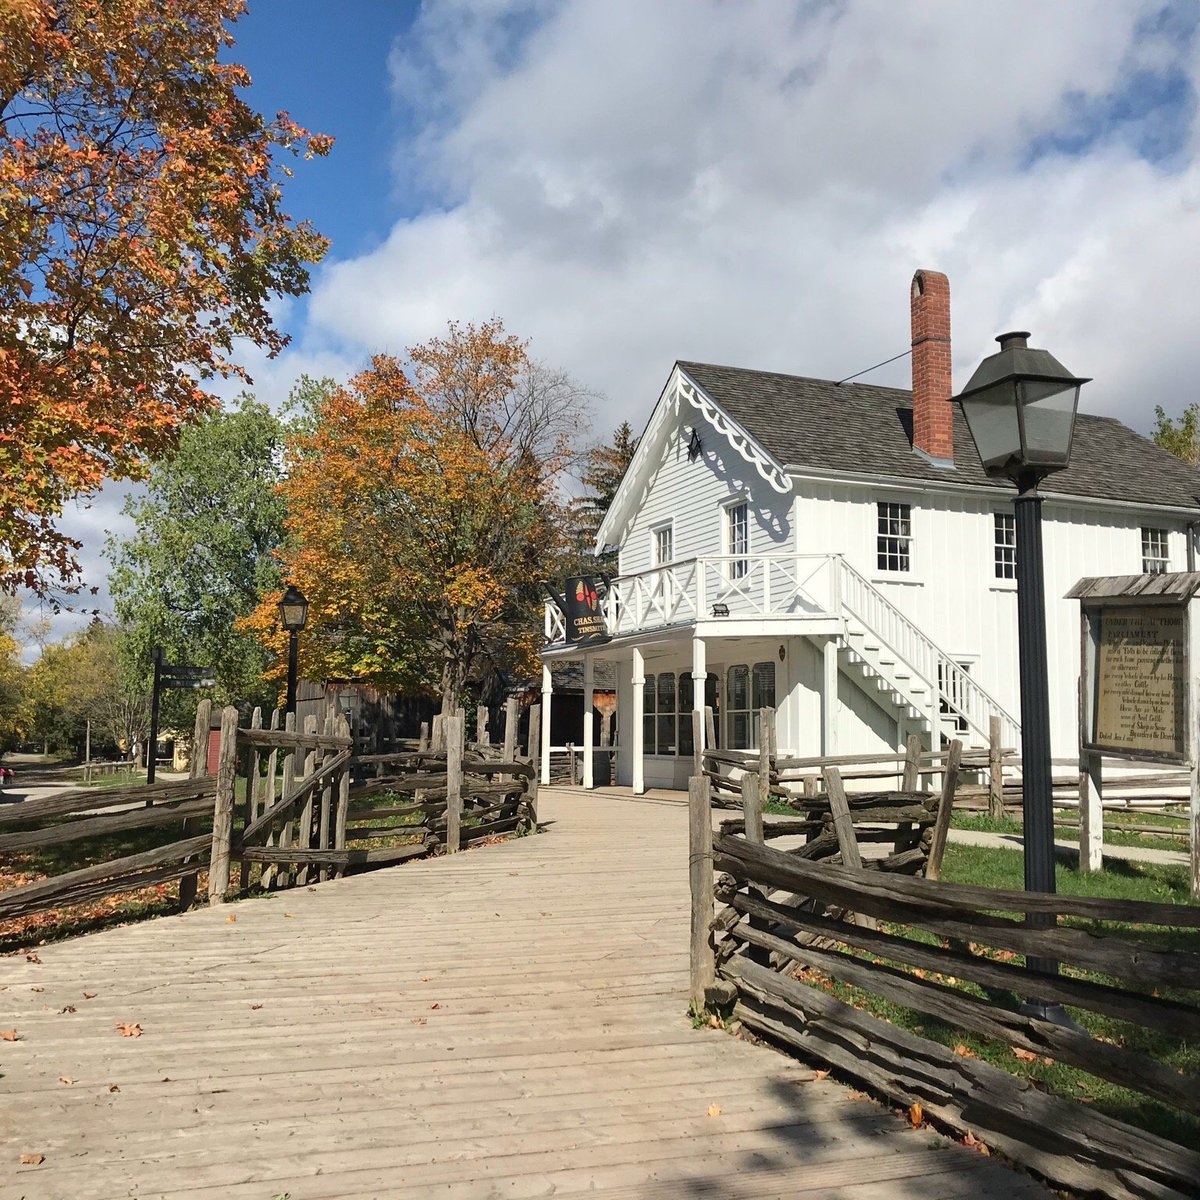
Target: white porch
x,y
844,668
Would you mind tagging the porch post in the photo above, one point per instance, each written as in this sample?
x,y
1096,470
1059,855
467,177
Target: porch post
x,y
547,695
829,697
639,709
589,755
699,679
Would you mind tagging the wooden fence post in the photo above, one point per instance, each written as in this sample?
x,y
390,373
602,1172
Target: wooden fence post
x,y
697,742
534,756
437,742
571,763
766,751
912,762
452,727
253,788
302,836
843,826
512,718
710,728
995,769
343,804
700,874
941,827
199,769
222,836
481,725
422,741
752,816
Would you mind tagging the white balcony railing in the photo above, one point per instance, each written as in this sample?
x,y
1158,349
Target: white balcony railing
x,y
681,593
796,586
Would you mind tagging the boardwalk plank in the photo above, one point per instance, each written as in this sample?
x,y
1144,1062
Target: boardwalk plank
x,y
297,1050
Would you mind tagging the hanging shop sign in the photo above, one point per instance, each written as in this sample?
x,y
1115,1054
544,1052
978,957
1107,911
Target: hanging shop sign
x,y
581,609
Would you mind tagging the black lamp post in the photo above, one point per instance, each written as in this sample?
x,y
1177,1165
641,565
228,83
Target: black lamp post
x,y
293,616
1020,407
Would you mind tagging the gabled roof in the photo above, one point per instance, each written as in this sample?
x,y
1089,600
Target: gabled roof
x,y
858,429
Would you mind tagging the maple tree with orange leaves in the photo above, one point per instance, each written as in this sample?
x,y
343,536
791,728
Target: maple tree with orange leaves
x,y
141,233
423,510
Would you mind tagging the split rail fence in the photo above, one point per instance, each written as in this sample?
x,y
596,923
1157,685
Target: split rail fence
x,y
799,942
291,807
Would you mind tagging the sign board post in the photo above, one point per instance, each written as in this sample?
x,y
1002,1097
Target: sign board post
x,y
168,676
1137,690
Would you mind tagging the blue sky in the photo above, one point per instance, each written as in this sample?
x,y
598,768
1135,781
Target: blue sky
x,y
754,183
326,64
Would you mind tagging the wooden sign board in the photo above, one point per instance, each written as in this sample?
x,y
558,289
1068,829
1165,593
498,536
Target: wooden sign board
x,y
1140,681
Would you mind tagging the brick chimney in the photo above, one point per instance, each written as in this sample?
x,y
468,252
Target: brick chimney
x,y
932,384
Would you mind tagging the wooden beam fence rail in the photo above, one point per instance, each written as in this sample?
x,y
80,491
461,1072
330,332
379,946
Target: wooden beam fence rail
x,y
332,809
788,913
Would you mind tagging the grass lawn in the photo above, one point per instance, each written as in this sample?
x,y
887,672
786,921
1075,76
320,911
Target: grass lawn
x,y
1174,836
998,868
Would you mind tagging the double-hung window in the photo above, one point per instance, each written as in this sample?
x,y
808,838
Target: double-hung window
x,y
737,538
664,543
893,542
1004,546
1156,558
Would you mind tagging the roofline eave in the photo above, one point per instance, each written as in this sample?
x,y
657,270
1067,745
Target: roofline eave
x,y
797,472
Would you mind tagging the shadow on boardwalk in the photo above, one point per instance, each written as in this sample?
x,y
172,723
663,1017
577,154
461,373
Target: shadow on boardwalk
x,y
509,1022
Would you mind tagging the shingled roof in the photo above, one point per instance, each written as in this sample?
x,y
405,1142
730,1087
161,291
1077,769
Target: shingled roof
x,y
861,429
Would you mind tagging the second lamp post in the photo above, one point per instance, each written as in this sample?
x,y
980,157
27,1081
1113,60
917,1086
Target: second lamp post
x,y
1020,406
293,616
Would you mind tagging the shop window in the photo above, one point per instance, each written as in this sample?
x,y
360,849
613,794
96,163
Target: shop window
x,y
666,714
649,708
1156,559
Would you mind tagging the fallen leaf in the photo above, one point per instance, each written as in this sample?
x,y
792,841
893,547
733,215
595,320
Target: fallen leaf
x,y
1048,1061
426,978
127,1030
858,1095
32,1160
255,1007
66,1079
964,1051
8,1035
436,1004
714,1110
714,1022
89,995
67,1008
1024,1055
916,1114
973,1143
37,989
231,918
418,1020
951,981
112,1087
1005,955
821,1073
32,956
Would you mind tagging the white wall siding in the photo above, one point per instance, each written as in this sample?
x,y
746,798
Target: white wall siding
x,y
691,495
952,591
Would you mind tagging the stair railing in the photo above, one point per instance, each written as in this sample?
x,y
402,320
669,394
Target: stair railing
x,y
958,694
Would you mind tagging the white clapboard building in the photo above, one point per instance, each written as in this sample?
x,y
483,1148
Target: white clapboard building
x,y
835,551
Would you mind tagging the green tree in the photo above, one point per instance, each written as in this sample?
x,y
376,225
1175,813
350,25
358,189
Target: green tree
x,y
1182,436
203,552
11,676
604,467
142,238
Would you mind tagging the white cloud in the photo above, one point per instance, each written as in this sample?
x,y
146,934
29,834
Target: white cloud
x,y
754,182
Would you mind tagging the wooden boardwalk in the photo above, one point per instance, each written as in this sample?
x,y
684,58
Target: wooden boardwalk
x,y
508,1022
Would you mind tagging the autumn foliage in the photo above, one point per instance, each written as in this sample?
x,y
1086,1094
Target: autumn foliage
x,y
141,233
422,515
